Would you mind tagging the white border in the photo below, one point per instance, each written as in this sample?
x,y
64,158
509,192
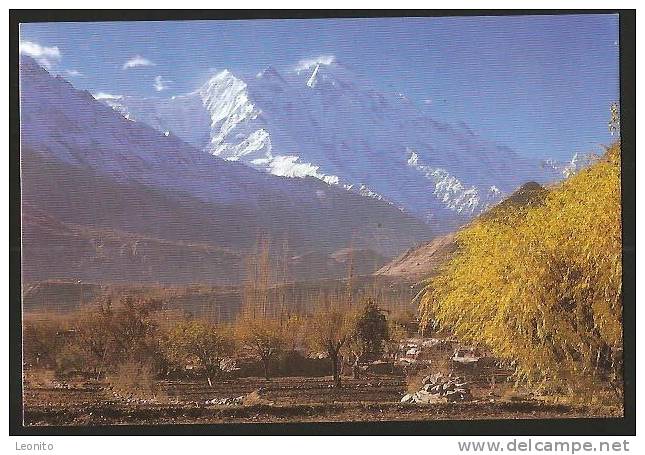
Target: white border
x,y
270,445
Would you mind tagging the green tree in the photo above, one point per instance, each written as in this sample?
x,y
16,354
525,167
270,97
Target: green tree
x,y
371,328
369,335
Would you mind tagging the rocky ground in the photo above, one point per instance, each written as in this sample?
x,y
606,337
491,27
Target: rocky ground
x,y
376,398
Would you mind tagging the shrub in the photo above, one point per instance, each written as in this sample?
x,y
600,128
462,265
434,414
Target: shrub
x,y
43,340
133,379
70,360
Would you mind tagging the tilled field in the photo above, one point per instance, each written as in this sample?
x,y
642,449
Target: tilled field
x,y
278,400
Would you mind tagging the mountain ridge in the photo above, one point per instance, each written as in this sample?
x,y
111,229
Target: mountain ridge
x,y
327,121
86,165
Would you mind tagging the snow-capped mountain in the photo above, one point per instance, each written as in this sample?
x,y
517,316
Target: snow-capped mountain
x,y
323,119
92,169
578,162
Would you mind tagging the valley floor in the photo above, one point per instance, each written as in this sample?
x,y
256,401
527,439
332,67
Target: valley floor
x,y
281,400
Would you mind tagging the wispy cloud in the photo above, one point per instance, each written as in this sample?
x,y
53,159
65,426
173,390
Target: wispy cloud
x,y
106,96
427,101
136,61
161,83
46,56
309,62
73,73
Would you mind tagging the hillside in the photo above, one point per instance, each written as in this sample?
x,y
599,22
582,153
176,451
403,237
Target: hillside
x,y
418,263
422,262
216,302
90,170
540,284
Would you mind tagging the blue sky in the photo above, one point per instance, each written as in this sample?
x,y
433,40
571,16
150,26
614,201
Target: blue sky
x,y
539,84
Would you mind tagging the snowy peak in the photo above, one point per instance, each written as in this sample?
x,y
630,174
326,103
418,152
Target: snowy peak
x,y
578,162
312,79
227,101
229,107
271,74
326,74
323,119
128,203
306,64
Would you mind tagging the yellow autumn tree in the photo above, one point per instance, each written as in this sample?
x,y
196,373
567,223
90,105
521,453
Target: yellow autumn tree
x,y
540,284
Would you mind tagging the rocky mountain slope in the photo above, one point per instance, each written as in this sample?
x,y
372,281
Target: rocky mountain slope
x,y
86,170
419,263
327,120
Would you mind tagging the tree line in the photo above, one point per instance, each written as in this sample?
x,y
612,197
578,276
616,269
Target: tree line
x,y
98,340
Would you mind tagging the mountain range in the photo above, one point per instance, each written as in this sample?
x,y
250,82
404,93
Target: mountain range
x,y
111,199
325,120
334,170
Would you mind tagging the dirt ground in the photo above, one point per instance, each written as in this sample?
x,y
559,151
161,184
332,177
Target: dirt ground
x,y
374,398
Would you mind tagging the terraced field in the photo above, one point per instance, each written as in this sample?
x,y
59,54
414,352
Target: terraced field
x,y
374,398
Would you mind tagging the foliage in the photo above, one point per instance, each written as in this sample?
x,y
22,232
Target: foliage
x,y
108,336
94,340
402,323
396,333
540,285
331,327
70,360
43,341
199,342
371,328
133,328
294,332
265,337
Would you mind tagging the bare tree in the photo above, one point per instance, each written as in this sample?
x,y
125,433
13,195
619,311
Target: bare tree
x,y
95,339
107,335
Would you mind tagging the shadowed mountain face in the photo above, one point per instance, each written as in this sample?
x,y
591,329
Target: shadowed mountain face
x,y
108,199
528,195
